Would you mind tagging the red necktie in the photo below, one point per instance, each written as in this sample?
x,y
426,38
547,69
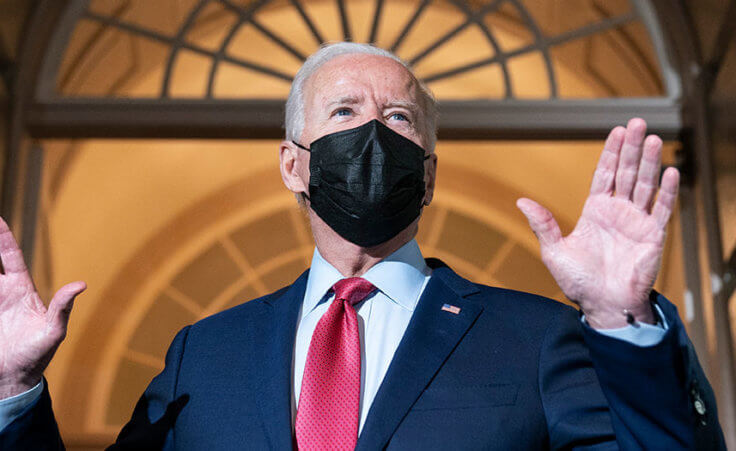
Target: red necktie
x,y
328,414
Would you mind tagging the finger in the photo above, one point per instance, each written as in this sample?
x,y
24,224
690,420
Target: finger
x,y
666,198
541,221
646,180
605,171
628,163
61,307
10,254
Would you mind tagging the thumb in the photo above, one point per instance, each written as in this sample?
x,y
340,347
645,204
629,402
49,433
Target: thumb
x,y
61,306
541,221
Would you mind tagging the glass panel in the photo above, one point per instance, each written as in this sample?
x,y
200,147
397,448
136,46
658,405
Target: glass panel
x,y
83,49
145,71
110,62
298,34
509,28
396,14
555,17
477,5
251,44
447,57
529,76
107,7
608,64
483,83
631,48
190,75
573,77
435,22
162,16
230,82
360,15
326,17
211,26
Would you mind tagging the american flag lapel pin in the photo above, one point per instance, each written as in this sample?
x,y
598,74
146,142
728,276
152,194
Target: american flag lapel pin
x,y
451,308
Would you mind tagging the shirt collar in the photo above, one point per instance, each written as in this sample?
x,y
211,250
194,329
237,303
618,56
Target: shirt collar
x,y
400,276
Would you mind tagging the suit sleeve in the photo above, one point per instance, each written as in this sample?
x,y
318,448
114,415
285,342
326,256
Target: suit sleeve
x,y
652,391
575,408
35,428
151,426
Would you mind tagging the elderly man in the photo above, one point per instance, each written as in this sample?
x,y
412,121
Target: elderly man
x,y
373,347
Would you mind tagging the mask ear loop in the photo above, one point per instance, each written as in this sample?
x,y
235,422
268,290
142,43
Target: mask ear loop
x,y
308,150
300,146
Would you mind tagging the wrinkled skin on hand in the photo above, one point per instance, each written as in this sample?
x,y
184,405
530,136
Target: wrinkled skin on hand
x,y
29,332
610,261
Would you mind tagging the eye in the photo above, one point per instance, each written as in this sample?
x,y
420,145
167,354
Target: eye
x,y
343,112
399,117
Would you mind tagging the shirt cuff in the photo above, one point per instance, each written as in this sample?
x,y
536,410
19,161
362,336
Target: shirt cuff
x,y
639,334
11,408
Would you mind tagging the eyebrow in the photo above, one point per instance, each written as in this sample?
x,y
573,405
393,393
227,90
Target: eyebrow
x,y
346,100
407,104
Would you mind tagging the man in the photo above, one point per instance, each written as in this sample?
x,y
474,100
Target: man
x,y
374,347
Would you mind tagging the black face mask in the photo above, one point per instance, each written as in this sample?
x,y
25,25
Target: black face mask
x,y
367,183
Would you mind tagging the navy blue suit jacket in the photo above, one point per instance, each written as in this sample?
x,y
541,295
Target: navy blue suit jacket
x,y
510,371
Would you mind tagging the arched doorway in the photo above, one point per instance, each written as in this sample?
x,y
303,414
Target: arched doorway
x,y
169,231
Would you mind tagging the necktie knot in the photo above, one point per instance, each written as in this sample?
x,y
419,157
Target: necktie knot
x,y
353,289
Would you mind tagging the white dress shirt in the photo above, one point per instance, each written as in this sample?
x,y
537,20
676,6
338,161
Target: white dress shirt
x,y
383,319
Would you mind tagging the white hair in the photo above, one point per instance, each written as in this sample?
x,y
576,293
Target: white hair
x,y
294,120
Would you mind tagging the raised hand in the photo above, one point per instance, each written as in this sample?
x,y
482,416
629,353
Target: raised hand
x,y
609,263
29,333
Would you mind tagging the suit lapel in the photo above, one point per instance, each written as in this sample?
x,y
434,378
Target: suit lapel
x,y
274,339
429,339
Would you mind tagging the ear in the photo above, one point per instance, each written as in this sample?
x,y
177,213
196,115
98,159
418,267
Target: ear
x,y
430,176
294,167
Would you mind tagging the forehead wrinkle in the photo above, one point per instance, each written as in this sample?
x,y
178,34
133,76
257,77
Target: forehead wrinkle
x,y
406,96
411,98
344,100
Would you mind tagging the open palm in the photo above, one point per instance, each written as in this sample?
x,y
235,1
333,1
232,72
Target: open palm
x,y
29,332
609,263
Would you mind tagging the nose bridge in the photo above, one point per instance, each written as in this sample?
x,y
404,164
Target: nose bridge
x,y
373,111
